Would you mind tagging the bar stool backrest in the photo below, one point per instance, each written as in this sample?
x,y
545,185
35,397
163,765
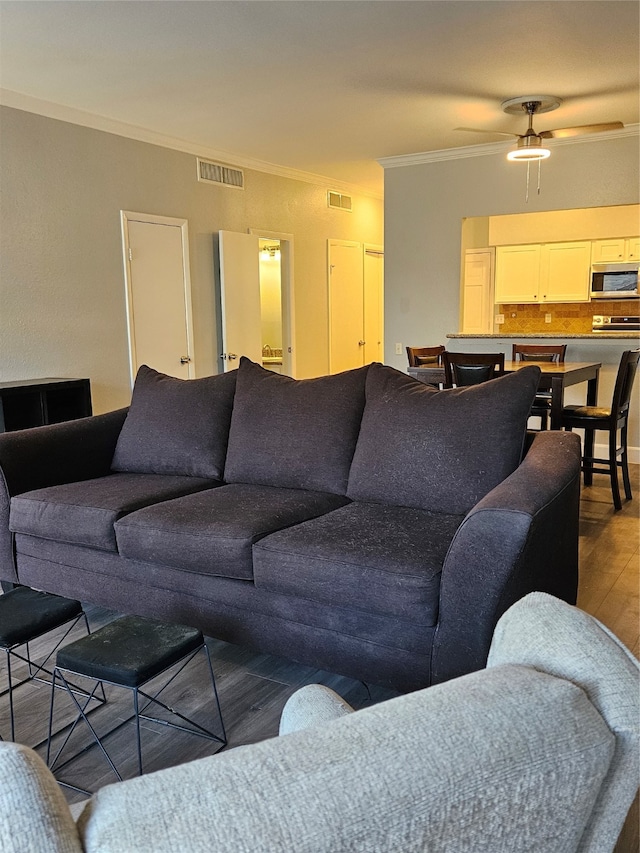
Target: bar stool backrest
x,y
538,352
419,356
624,382
463,368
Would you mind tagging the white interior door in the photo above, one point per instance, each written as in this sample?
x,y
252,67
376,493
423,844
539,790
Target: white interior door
x,y
477,292
240,298
346,306
373,304
158,291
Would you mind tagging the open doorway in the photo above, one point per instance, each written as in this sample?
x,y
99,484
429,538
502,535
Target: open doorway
x,y
275,255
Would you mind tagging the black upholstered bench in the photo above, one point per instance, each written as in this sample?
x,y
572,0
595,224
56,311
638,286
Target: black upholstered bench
x,y
128,653
25,615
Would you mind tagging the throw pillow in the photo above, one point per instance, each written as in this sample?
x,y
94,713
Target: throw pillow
x,y
294,433
439,450
176,426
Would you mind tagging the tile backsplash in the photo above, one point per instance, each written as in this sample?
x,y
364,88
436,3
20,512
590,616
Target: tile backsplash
x,y
570,317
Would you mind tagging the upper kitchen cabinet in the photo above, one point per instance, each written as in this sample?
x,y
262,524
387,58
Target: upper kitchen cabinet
x,y
551,272
616,249
518,274
564,272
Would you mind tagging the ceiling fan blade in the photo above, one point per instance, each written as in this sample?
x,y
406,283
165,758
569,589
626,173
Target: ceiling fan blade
x,y
483,130
562,132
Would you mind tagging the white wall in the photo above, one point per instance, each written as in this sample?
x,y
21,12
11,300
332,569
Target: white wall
x,y
62,305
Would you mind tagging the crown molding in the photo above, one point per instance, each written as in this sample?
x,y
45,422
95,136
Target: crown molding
x,y
484,150
48,109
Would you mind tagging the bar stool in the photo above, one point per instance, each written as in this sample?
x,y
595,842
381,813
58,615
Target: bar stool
x,y
25,615
128,653
612,419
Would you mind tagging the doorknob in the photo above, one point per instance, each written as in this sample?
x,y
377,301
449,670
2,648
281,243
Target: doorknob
x,y
231,356
185,359
361,343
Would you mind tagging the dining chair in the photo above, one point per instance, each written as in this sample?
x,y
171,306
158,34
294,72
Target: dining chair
x,y
421,356
591,418
463,368
536,352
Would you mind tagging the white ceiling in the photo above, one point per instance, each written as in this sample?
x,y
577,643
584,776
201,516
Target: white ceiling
x,y
323,86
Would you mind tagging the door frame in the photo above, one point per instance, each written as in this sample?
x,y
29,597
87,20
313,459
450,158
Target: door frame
x,y
127,216
286,294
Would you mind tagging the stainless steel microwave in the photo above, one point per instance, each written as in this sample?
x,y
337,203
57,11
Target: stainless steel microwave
x,y
614,281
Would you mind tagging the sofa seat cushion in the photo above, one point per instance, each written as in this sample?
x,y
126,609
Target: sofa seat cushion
x,y
84,513
370,557
294,433
439,450
176,426
212,532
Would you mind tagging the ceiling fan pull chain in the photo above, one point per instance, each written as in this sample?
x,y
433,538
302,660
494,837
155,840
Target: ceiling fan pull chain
x,y
539,170
526,197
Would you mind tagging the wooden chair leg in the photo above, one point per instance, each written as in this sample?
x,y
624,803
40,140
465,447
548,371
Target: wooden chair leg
x,y
624,460
589,436
613,468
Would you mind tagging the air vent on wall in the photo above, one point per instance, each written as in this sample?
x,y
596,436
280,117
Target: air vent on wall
x,y
216,173
338,200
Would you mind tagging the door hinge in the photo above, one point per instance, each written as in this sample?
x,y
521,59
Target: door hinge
x,y
130,254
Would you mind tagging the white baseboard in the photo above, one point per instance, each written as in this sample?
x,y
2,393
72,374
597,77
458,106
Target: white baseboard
x,y
602,452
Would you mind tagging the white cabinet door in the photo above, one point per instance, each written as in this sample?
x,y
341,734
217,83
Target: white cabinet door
x,y
615,250
605,251
564,272
517,273
633,249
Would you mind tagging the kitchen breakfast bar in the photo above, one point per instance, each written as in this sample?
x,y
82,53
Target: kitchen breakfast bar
x,y
603,348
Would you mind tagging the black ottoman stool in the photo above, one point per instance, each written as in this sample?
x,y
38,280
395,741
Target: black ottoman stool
x,y
25,615
127,653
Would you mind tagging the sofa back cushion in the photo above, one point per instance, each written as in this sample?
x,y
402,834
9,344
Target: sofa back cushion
x,y
176,426
294,433
439,450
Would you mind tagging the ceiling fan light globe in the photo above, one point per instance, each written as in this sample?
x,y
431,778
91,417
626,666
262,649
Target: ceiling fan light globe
x,y
529,148
524,154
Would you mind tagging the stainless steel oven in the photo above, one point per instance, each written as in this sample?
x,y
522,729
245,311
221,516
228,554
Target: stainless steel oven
x,y
615,324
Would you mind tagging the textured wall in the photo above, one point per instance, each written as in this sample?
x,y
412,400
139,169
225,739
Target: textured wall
x,y
62,303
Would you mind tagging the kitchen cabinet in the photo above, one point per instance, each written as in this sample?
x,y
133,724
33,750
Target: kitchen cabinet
x,y
517,274
564,272
543,272
615,250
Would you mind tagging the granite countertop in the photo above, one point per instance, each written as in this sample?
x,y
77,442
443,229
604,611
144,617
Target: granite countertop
x,y
592,336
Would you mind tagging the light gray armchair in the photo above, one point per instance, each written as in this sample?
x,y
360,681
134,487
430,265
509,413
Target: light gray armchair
x,y
538,752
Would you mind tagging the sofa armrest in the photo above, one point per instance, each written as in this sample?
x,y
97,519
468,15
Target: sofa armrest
x,y
521,537
312,705
50,455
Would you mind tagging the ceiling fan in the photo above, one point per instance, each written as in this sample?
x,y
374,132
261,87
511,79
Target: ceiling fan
x,y
530,145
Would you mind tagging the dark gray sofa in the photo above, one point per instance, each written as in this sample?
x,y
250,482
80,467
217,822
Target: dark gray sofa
x,y
363,523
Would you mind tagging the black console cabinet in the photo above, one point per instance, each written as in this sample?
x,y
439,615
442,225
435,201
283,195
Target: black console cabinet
x,y
36,402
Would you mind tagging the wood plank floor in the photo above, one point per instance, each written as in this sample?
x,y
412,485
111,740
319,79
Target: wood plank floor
x,y
253,688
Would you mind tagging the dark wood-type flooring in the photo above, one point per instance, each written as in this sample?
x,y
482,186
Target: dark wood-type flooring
x,y
254,687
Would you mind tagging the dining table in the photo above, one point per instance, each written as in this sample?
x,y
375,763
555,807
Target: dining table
x,y
554,377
